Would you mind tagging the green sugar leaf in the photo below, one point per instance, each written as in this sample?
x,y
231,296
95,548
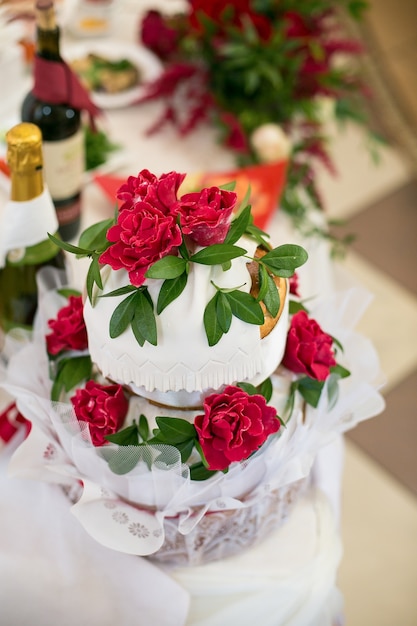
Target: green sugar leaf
x,y
251,390
310,389
258,235
272,299
144,318
143,428
266,389
245,307
223,312
174,430
238,226
295,307
70,373
67,292
121,463
93,277
332,390
217,254
136,331
185,449
94,237
184,251
198,471
57,389
167,267
212,327
228,186
341,371
170,290
122,316
286,257
263,282
129,436
119,292
68,247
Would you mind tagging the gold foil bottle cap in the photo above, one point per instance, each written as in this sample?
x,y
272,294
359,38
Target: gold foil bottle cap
x,y
24,148
45,14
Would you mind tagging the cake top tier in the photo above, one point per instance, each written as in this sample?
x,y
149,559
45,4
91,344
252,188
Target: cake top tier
x,y
182,289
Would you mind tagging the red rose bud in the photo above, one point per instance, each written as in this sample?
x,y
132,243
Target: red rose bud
x,y
142,235
102,407
309,349
68,329
234,425
206,216
294,286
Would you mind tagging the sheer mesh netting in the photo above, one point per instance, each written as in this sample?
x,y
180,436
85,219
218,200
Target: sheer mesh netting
x,y
224,533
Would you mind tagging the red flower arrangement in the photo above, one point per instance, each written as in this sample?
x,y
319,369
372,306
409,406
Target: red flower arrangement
x,y
151,218
244,65
155,236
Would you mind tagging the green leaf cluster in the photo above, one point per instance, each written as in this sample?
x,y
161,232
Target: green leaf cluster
x,y
226,303
98,147
311,389
137,310
69,372
92,244
175,432
259,82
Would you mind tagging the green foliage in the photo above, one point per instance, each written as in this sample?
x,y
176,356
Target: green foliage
x,y
69,372
98,147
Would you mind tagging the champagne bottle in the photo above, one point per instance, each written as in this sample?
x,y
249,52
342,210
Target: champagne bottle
x,y
48,106
26,219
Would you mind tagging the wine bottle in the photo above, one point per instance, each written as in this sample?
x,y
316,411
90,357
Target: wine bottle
x,y
48,106
26,219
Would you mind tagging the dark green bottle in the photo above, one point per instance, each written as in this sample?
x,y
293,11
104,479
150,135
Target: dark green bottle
x,y
61,126
19,266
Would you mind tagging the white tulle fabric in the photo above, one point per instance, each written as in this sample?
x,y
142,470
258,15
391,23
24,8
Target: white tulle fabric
x,y
161,512
288,580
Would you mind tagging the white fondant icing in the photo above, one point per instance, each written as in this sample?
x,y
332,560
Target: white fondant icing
x,y
183,365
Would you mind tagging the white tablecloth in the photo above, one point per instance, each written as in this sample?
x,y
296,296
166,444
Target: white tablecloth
x,y
52,572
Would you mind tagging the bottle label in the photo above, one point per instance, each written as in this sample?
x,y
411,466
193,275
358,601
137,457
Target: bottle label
x,y
69,213
26,224
64,165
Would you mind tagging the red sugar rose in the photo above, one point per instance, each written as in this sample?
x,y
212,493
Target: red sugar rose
x,y
309,349
102,407
68,329
142,235
206,215
160,192
234,425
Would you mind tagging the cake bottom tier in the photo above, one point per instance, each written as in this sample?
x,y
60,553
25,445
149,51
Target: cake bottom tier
x,y
289,579
221,534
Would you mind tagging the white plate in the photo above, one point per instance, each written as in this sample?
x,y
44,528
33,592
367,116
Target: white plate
x,y
114,50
